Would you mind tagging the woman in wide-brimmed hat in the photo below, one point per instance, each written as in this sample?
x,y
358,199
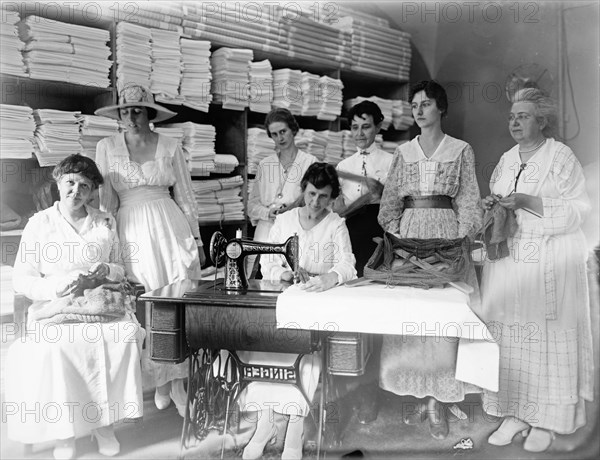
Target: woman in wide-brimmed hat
x,y
162,234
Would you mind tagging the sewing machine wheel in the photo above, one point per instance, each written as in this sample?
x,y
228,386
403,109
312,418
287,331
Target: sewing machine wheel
x,y
217,249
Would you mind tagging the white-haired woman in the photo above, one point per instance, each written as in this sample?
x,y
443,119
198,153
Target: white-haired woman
x,y
536,299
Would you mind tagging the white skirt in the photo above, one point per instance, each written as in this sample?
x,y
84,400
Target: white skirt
x,y
282,398
64,380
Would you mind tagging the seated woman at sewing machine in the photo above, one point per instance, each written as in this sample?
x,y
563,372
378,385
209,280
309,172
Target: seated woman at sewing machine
x,y
77,371
326,260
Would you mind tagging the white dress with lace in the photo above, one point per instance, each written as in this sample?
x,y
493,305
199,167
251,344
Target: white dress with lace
x,y
156,231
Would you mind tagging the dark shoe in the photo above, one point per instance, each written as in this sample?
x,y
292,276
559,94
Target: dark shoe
x,y
414,415
438,425
368,406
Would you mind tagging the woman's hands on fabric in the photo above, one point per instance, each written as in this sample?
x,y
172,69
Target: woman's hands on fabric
x,y
489,201
98,271
320,283
516,201
301,276
66,285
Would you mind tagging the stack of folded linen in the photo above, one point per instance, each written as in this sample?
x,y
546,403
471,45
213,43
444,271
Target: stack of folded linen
x,y
134,55
334,152
287,90
17,128
331,98
92,129
61,51
11,59
219,200
230,70
312,142
56,135
165,76
196,77
261,86
260,146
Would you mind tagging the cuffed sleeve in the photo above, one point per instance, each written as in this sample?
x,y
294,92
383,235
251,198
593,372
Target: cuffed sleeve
x,y
467,200
392,203
183,193
108,197
256,209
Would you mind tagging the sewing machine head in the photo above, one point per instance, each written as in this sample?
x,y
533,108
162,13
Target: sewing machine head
x,y
233,253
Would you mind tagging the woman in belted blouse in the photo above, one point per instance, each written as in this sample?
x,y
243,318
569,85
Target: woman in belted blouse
x,y
431,192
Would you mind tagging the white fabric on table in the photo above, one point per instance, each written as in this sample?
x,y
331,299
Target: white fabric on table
x,y
401,310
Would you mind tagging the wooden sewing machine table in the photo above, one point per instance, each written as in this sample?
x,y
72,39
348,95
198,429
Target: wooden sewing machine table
x,y
200,320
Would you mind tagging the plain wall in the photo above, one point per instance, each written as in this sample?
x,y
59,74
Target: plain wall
x,y
471,48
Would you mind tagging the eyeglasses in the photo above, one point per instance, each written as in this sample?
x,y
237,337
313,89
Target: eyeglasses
x,y
519,117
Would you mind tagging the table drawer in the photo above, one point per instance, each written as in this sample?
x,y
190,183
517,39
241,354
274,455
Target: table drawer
x,y
167,317
167,332
348,353
168,346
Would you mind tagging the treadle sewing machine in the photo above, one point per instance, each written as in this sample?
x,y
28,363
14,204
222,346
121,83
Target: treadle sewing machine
x,y
208,321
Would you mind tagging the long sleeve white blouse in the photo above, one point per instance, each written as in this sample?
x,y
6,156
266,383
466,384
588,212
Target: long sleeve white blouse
x,y
51,252
324,248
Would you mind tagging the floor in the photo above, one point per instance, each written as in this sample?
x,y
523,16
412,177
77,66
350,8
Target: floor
x,y
157,436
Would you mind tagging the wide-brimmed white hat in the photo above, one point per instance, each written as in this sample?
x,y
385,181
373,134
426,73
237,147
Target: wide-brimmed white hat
x,y
134,95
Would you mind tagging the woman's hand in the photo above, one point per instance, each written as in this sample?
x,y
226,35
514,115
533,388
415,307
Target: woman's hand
x,y
321,283
375,187
66,285
489,201
273,211
98,271
516,201
301,276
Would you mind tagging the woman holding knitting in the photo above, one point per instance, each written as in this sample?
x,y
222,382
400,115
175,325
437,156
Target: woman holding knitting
x,y
536,298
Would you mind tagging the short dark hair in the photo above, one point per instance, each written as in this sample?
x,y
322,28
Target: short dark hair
x,y
284,116
78,164
433,90
321,175
365,108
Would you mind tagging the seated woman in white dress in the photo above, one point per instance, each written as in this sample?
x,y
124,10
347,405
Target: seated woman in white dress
x,y
326,260
77,370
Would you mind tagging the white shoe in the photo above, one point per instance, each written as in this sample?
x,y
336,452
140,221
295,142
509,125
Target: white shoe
x,y
255,448
507,431
107,442
64,449
539,440
161,401
294,442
